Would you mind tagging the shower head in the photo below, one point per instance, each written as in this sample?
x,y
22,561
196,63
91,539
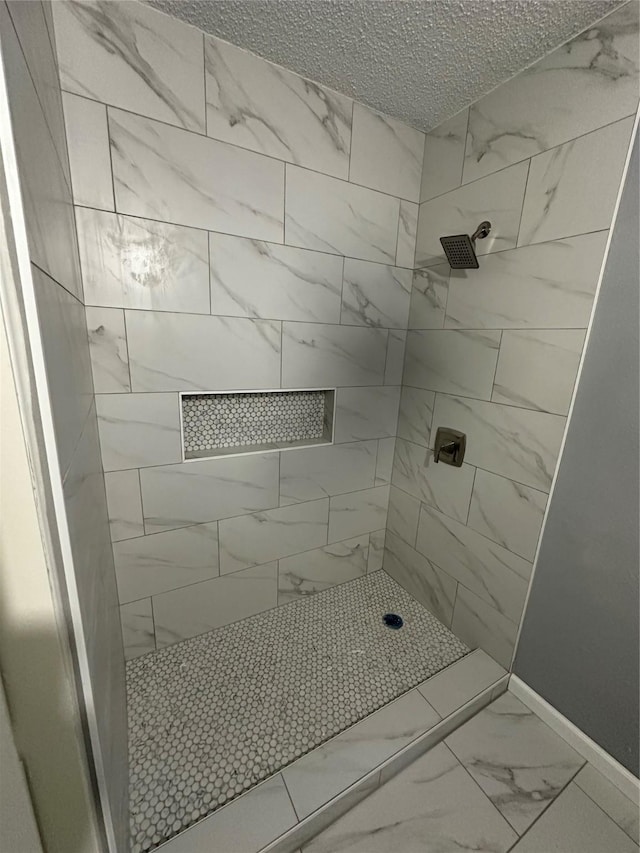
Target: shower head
x,y
460,249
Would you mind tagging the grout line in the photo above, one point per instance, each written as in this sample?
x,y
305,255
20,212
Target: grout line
x,y
153,621
286,787
473,485
204,84
601,807
126,344
524,198
111,170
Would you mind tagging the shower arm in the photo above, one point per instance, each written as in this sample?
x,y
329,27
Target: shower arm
x,y
483,230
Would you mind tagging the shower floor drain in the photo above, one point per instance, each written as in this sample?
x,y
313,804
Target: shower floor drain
x,y
392,620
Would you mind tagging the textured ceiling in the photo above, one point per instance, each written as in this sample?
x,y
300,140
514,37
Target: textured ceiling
x,y
418,60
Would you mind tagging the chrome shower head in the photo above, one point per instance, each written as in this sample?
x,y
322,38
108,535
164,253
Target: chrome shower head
x,y
460,248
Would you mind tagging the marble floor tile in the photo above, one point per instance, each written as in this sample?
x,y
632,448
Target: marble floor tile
x,y
335,216
134,58
404,512
482,626
507,512
538,369
124,504
517,760
375,295
386,154
429,297
317,472
258,105
310,572
358,512
575,824
407,233
415,416
138,635
611,800
559,202
108,350
366,412
88,146
396,345
460,682
431,807
162,172
444,148
251,278
548,286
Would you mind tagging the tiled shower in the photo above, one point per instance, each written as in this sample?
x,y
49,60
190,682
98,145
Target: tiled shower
x,y
274,336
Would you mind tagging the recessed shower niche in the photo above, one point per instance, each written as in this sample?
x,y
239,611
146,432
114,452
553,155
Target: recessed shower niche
x,y
233,422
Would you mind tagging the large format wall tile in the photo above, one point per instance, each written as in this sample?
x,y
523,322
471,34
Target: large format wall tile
x,y
497,198
138,430
137,628
488,570
316,355
251,539
193,492
454,362
138,263
550,285
366,412
108,349
416,412
444,156
375,295
507,512
538,369
313,571
386,154
357,512
204,606
255,104
517,443
479,625
573,189
441,486
334,216
429,297
251,278
89,158
161,172
316,472
130,56
586,83
153,564
407,233
403,515
124,504
433,588
396,345
384,465
170,352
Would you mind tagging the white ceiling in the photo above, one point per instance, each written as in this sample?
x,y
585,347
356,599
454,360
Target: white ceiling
x,y
418,60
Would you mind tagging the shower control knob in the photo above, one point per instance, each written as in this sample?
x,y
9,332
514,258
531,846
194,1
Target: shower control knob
x,y
450,446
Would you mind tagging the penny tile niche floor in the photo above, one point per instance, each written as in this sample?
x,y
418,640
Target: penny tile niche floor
x,y
212,716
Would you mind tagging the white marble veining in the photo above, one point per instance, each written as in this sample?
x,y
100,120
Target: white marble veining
x,y
517,443
429,297
137,628
384,464
313,571
550,285
433,588
458,684
124,504
432,805
481,625
248,540
589,82
128,55
138,430
323,773
497,198
496,575
573,189
138,263
386,154
375,295
357,512
454,362
255,104
537,369
153,564
403,515
441,486
162,172
251,278
611,800
444,156
330,215
366,412
507,512
520,774
376,550
193,492
416,412
108,350
407,233
171,352
201,607
396,344
316,355
88,145
317,472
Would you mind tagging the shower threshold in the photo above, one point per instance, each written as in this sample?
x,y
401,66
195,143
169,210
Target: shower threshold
x,y
213,716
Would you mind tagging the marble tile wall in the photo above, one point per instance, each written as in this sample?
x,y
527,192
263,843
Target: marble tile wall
x,y
494,352
240,228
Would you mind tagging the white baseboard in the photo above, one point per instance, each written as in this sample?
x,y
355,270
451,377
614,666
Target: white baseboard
x,y
588,749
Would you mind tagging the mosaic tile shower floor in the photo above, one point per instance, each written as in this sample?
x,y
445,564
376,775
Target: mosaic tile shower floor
x,y
212,716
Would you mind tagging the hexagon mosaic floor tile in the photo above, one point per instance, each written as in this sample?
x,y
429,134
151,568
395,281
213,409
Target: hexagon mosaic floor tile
x,y
214,715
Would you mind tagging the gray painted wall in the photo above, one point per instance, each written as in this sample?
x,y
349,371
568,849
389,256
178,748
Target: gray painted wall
x,y
579,643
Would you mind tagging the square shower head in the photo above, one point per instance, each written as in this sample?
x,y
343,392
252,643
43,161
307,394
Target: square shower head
x,y
460,252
